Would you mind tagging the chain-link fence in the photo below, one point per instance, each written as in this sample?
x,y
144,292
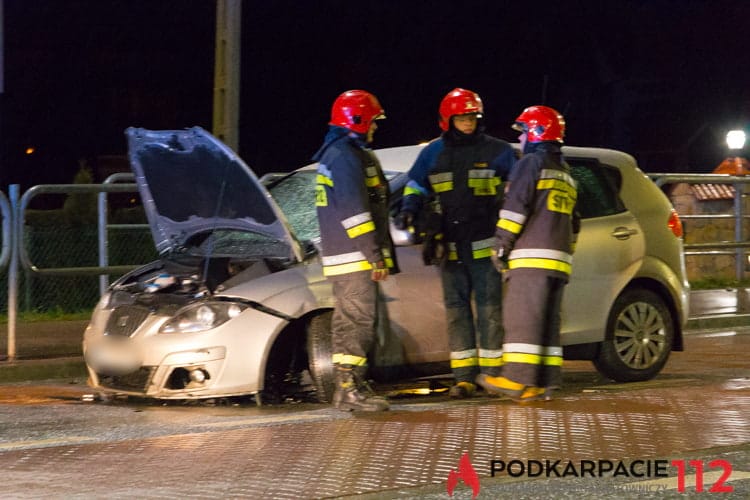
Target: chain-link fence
x,y
69,238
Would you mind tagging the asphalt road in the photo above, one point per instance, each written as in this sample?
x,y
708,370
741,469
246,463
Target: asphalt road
x,y
695,415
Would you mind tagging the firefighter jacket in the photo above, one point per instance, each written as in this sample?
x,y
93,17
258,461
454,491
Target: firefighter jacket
x,y
466,179
352,204
538,222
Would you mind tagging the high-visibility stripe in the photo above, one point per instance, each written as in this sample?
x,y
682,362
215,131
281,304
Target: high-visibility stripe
x,y
355,220
483,182
557,185
490,362
516,217
411,190
463,363
346,268
546,350
443,187
510,226
372,181
441,182
532,359
482,249
548,264
349,359
323,180
541,253
342,258
550,173
365,228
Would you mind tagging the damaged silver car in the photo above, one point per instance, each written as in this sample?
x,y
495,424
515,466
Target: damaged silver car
x,y
237,304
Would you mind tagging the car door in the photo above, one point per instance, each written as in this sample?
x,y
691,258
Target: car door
x,y
609,251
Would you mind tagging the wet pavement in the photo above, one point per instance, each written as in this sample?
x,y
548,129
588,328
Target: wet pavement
x,y
695,412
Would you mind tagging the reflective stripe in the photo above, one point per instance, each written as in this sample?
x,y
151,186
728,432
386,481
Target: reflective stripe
x,y
483,248
516,217
532,359
490,357
533,349
358,224
468,353
365,228
348,359
510,226
480,249
550,265
483,182
550,173
461,359
452,252
342,258
441,182
541,253
511,221
490,362
372,181
346,268
463,363
411,190
322,179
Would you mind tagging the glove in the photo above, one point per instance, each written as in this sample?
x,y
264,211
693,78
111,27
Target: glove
x,y
499,259
379,271
433,251
403,220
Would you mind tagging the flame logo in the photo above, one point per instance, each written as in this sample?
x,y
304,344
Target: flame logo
x,y
466,473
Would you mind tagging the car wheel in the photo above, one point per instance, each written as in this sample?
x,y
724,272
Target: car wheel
x,y
639,337
319,352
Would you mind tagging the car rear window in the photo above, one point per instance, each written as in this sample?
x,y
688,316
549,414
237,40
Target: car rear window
x,y
598,188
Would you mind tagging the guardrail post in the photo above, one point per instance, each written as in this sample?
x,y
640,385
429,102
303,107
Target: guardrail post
x,y
13,192
739,267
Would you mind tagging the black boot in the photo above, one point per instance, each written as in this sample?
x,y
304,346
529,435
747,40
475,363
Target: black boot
x,y
355,395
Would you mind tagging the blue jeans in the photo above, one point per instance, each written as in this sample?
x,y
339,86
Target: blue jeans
x,y
475,342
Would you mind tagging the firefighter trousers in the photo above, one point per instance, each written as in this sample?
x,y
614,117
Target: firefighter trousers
x,y
354,319
532,354
475,342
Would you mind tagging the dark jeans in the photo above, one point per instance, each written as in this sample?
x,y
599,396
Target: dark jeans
x,y
475,343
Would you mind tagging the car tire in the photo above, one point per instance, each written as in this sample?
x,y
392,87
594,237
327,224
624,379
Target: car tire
x,y
319,353
639,336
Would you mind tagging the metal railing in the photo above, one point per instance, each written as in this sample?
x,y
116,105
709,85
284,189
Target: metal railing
x,y
13,213
736,247
13,253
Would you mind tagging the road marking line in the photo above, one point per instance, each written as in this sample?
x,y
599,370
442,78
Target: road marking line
x,y
670,483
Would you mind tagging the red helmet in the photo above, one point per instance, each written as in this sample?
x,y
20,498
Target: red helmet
x,y
355,110
541,123
459,102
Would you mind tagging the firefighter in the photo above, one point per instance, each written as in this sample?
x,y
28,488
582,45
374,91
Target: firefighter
x,y
535,240
357,252
457,178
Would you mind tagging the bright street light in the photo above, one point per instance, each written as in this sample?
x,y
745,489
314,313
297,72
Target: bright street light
x,y
736,139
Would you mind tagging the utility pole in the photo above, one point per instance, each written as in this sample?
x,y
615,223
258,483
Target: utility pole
x,y
226,111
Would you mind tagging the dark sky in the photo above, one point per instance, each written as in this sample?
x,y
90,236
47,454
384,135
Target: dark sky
x,y
662,80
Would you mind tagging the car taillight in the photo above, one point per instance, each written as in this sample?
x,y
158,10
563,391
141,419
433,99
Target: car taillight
x,y
675,224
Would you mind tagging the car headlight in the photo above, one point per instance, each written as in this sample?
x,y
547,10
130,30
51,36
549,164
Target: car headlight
x,y
202,316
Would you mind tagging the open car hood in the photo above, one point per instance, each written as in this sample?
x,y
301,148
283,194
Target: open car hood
x,y
196,191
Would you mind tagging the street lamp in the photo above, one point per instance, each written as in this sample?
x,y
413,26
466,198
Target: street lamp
x,y
736,139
